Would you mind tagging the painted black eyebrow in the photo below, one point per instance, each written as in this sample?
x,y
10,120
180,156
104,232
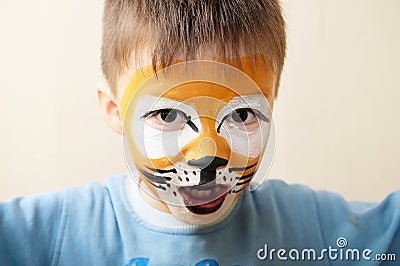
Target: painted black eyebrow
x,y
191,124
187,117
260,115
257,113
220,124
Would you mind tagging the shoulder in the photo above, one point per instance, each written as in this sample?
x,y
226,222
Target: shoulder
x,y
57,220
52,204
362,224
325,200
332,216
95,195
329,209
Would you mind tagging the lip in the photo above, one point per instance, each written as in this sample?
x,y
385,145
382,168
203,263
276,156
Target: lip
x,y
203,199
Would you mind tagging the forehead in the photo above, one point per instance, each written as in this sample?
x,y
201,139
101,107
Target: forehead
x,y
199,90
227,84
184,80
205,97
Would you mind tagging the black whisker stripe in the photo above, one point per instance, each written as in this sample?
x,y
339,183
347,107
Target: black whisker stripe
x,y
244,182
156,178
241,168
237,191
157,186
245,176
161,171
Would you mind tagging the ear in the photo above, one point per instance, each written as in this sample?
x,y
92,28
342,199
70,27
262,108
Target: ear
x,y
110,110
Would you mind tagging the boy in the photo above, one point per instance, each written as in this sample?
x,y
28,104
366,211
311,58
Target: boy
x,y
209,220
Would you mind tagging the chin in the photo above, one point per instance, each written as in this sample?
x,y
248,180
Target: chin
x,y
204,215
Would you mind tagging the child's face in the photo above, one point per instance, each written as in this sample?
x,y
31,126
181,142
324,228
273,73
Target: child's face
x,y
196,136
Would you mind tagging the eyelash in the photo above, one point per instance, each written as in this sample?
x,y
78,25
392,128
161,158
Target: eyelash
x,y
190,123
154,112
256,113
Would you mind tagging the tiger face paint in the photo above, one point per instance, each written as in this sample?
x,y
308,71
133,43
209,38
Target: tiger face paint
x,y
195,133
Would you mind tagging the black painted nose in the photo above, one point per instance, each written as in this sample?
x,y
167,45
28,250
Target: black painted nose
x,y
208,166
208,163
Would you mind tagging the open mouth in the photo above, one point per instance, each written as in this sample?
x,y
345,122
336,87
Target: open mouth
x,y
204,199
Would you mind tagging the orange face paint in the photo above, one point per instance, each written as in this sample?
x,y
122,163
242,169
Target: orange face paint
x,y
259,72
195,132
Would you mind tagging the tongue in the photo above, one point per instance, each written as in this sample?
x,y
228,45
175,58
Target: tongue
x,y
211,204
203,208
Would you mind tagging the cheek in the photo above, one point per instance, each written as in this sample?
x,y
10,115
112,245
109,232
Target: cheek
x,y
158,144
247,143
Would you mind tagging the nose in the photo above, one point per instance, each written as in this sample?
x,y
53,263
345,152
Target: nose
x,y
208,166
208,145
208,163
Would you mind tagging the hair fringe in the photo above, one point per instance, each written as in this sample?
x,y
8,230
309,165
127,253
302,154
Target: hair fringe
x,y
168,27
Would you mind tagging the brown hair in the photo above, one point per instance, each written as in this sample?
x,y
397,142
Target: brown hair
x,y
165,27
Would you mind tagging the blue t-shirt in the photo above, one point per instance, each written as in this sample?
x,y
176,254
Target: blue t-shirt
x,y
278,224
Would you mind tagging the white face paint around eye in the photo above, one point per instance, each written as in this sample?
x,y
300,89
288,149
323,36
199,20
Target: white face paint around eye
x,y
249,128
166,140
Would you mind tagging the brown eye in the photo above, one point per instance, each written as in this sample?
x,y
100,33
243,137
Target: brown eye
x,y
239,116
242,115
168,115
168,120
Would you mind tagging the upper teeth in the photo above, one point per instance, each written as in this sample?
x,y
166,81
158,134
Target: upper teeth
x,y
201,193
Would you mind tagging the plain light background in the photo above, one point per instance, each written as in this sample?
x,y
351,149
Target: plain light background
x,y
337,114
